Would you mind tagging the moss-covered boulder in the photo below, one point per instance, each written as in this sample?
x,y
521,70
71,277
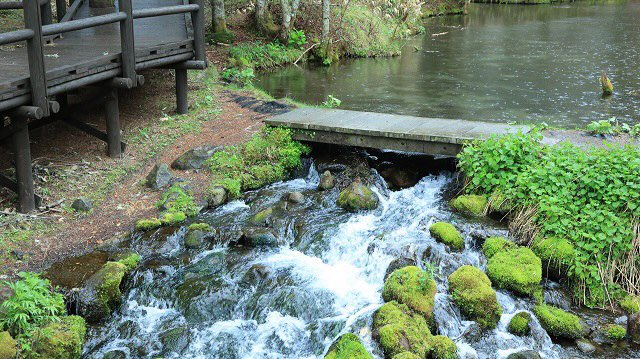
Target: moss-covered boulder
x,y
144,225
557,322
216,196
609,334
173,218
471,291
179,199
630,304
131,260
101,293
399,330
406,355
413,287
493,245
448,234
262,218
441,347
518,270
556,255
8,346
519,324
348,346
357,197
195,234
470,204
61,340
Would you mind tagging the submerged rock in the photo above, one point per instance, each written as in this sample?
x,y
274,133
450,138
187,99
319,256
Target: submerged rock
x,y
159,177
61,340
397,264
471,291
295,197
558,323
413,287
399,178
194,159
398,330
585,346
519,324
257,237
262,218
8,346
101,293
195,234
327,181
448,234
525,354
82,204
518,270
348,346
470,204
357,197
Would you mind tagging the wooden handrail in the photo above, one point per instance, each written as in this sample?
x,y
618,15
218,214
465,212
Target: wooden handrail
x,y
167,10
80,24
15,36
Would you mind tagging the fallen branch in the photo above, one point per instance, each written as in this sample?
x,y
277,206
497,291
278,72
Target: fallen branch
x,y
305,51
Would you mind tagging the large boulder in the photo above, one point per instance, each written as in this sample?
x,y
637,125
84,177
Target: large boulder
x,y
61,340
348,346
160,176
525,354
441,347
8,346
558,323
263,217
397,264
413,287
495,244
448,234
518,270
470,204
357,197
258,237
399,330
101,293
217,196
194,159
471,291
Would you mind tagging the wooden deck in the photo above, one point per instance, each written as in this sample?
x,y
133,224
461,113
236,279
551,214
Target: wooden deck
x,y
432,136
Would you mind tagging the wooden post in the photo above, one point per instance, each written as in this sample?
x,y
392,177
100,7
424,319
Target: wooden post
x,y
47,13
197,19
37,74
61,9
181,92
112,116
127,42
24,175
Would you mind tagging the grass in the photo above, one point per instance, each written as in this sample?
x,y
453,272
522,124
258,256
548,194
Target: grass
x,y
10,20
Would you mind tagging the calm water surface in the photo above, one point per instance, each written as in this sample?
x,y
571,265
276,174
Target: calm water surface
x,y
499,63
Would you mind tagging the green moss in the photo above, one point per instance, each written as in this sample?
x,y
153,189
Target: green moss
x,y
178,199
471,291
204,227
148,224
348,346
8,346
406,355
441,347
519,324
556,254
470,204
357,197
173,218
557,322
630,304
195,234
493,245
413,287
518,270
614,332
130,261
447,234
400,330
261,217
107,284
61,340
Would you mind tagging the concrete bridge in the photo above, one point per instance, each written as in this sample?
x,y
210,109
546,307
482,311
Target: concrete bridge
x,y
99,43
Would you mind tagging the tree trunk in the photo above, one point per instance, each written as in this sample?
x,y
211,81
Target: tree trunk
x,y
326,15
289,10
219,20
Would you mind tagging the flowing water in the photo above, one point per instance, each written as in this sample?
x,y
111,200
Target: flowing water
x,y
499,63
292,301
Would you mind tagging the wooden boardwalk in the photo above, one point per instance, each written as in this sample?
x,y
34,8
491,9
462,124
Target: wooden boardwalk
x,y
88,46
432,136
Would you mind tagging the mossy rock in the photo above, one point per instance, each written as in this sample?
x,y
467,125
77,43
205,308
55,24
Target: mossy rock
x,y
195,234
498,203
179,199
101,293
558,323
448,234
471,291
614,332
493,245
518,270
413,287
130,260
61,340
441,347
406,355
144,225
519,324
630,304
357,197
399,330
348,346
262,218
470,204
8,346
173,218
556,255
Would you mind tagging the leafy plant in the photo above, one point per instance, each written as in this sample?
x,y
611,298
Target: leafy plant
x,y
243,77
297,39
635,130
261,55
602,127
331,102
32,304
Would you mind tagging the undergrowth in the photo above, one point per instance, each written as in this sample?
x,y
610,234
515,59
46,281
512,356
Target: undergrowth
x,y
589,196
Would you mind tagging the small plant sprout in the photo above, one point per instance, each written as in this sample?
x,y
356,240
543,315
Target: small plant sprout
x,y
332,102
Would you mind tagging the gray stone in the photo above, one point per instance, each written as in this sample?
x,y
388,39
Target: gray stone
x,y
397,264
295,197
159,177
82,204
216,197
357,197
585,346
258,237
399,178
525,354
115,354
327,181
633,327
194,159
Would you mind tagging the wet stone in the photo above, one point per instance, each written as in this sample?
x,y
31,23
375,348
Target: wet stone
x,y
295,197
327,181
525,354
397,264
195,158
258,237
585,346
159,177
633,327
82,204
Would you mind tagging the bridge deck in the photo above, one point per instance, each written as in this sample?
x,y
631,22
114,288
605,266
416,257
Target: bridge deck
x,y
90,51
387,131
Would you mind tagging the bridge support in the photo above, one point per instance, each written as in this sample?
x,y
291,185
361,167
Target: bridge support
x,y
181,92
24,174
112,116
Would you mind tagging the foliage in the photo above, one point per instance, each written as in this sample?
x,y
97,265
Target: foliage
x,y
242,77
261,55
557,322
602,127
33,303
519,324
590,197
413,287
178,199
332,102
471,291
269,156
297,39
348,346
447,234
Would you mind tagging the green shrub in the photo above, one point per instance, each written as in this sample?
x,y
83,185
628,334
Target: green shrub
x,y
447,234
630,304
413,287
348,346
519,324
603,127
493,245
590,197
558,323
471,291
265,56
297,39
243,77
518,270
470,204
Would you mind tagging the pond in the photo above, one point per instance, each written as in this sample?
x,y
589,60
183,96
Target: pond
x,y
529,64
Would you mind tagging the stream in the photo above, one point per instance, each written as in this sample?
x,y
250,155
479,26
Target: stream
x,y
323,279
